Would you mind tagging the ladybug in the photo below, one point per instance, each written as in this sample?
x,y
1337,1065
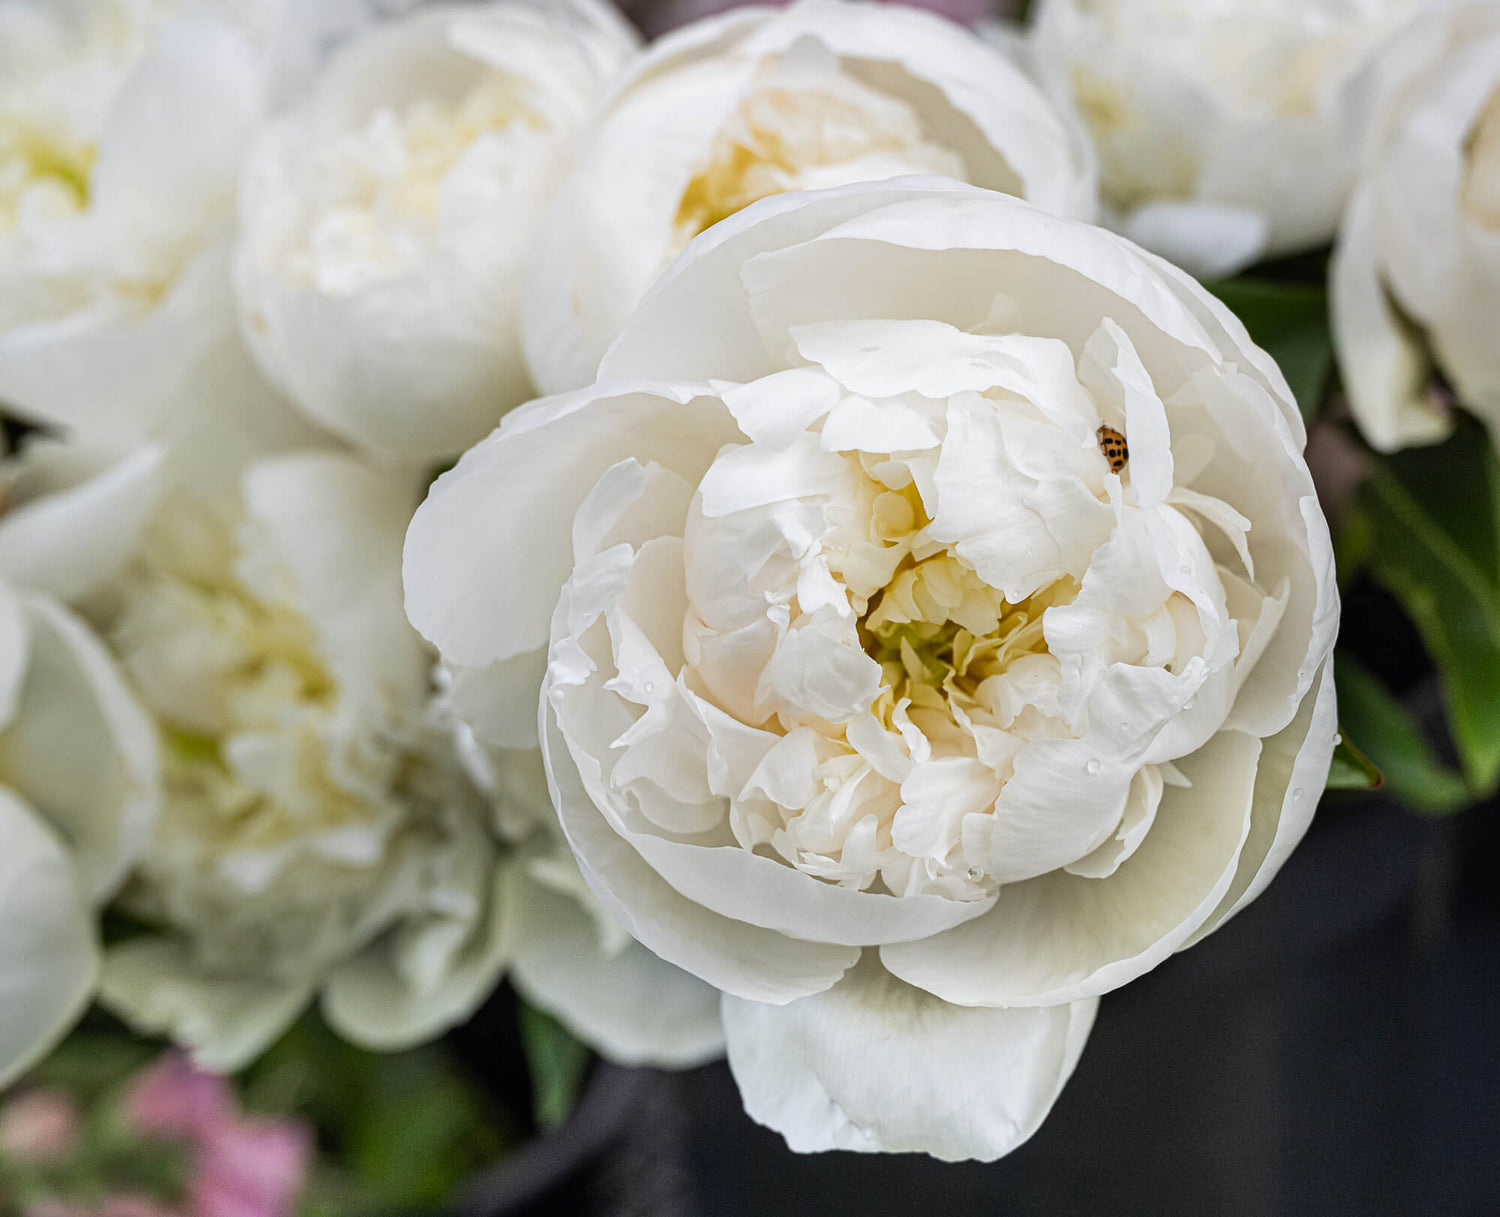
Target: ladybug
x,y
1116,450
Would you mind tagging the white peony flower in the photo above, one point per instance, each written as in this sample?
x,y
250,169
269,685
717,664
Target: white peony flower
x,y
757,102
384,223
78,763
122,124
1227,130
316,835
1416,275
884,690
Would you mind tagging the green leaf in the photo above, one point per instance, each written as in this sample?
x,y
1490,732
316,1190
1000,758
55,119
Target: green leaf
x,y
1352,769
1433,519
1289,320
557,1062
1414,772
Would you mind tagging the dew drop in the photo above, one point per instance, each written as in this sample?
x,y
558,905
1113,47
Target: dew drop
x,y
1092,767
1185,569
973,874
1190,703
1298,795
1337,740
649,687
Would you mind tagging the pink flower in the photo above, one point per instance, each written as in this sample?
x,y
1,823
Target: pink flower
x,y
136,1206
251,1168
174,1100
38,1126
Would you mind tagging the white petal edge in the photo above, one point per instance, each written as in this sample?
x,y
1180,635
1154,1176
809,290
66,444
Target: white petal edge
x,y
875,1065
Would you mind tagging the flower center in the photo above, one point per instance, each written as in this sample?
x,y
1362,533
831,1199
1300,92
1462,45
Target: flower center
x,y
806,126
40,176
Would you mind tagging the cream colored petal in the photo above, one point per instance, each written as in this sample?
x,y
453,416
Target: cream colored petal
x,y
49,955
875,1065
224,1021
629,1005
80,747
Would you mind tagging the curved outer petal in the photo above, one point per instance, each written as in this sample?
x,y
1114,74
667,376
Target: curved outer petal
x,y
69,540
49,957
337,525
1063,937
526,482
750,962
631,1006
605,239
876,1065
225,1022
1384,368
418,364
80,748
711,291
368,1002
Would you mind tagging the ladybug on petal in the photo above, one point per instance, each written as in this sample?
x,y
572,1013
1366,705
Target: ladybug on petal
x,y
1116,450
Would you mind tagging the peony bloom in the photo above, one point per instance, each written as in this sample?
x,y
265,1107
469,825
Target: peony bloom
x,y
315,834
121,130
384,223
936,615
1227,131
759,102
38,1127
1416,276
78,762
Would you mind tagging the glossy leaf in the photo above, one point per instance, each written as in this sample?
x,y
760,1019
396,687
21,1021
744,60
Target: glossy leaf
x,y
1414,772
1436,544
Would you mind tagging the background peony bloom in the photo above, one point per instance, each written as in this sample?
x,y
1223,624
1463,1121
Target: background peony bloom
x,y
316,836
876,694
758,102
1416,276
173,1100
384,223
115,314
1226,131
78,780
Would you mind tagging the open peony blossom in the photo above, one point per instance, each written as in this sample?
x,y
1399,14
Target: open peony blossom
x,y
936,615
316,834
78,760
122,125
758,102
384,223
1416,276
1228,130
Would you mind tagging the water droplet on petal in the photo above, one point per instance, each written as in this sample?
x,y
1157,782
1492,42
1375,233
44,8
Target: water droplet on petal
x,y
1337,740
1092,767
974,874
649,687
1298,795
1185,569
1191,702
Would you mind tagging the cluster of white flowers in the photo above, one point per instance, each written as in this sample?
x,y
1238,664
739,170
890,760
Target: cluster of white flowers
x,y
910,618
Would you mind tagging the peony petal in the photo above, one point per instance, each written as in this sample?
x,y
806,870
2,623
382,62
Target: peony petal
x,y
336,526
80,748
369,1002
1209,240
1062,937
877,1066
224,1021
631,1006
68,540
1384,368
754,963
526,482
49,957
